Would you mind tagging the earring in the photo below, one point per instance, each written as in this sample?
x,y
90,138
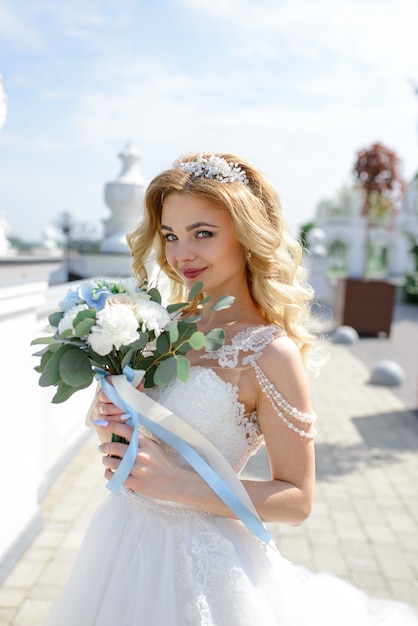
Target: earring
x,y
248,255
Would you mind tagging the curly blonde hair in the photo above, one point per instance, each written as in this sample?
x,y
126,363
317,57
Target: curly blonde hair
x,y
275,272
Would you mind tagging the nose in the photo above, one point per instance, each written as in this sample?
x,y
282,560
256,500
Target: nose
x,y
184,252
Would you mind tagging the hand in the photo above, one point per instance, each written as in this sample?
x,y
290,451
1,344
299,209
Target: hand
x,y
154,474
104,412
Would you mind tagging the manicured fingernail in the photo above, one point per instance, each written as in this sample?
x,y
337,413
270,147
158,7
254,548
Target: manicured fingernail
x,y
100,447
100,423
125,416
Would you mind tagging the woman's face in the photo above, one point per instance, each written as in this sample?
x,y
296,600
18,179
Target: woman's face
x,y
201,244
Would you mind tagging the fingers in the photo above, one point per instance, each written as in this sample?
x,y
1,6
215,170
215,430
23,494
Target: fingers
x,y
105,408
117,428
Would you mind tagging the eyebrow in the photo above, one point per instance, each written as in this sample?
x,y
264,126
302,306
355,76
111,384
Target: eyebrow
x,y
191,227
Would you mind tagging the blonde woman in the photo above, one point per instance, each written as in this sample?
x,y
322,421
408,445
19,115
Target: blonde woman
x,y
169,549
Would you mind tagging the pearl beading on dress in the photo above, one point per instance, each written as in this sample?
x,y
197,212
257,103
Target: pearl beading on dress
x,y
172,510
252,341
280,404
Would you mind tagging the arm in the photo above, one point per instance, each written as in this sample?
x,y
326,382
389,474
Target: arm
x,y
287,497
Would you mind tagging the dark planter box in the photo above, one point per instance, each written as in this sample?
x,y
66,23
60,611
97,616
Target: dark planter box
x,y
366,305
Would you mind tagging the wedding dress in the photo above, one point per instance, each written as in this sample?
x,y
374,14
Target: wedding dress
x,y
146,562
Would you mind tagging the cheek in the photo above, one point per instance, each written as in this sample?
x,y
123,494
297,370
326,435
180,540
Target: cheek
x,y
169,255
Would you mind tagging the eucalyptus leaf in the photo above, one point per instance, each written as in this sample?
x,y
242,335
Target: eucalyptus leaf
x,y
224,302
154,295
182,368
66,334
141,342
197,340
172,308
196,289
128,358
64,392
44,360
55,318
42,352
186,328
163,343
51,375
166,371
214,339
85,314
173,331
43,341
75,369
83,327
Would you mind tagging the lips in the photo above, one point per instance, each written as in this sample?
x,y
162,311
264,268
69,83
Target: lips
x,y
192,272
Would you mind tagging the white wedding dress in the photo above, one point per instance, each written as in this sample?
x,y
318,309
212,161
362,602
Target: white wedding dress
x,y
146,562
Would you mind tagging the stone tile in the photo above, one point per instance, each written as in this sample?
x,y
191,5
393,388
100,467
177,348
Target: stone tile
x,y
32,613
6,616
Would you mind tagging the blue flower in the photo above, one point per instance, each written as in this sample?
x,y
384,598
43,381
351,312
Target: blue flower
x,y
71,299
94,294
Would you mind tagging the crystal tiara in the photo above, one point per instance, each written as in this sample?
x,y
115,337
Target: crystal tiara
x,y
213,167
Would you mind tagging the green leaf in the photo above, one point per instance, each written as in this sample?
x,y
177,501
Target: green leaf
x,y
196,289
140,343
197,340
51,375
182,368
83,327
172,308
75,369
85,314
186,328
42,352
166,371
43,340
155,295
149,376
224,302
214,339
44,360
55,318
173,331
66,334
64,392
163,343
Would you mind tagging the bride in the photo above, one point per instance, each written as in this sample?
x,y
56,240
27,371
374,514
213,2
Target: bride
x,y
167,550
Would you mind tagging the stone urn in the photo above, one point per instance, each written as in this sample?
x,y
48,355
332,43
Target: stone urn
x,y
124,196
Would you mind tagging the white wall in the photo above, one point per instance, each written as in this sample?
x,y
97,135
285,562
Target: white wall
x,y
36,438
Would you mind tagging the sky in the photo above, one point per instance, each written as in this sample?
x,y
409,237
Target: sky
x,y
298,87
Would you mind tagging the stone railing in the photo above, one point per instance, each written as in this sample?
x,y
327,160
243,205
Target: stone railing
x,y
37,438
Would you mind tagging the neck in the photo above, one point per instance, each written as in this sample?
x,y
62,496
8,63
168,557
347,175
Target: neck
x,y
242,310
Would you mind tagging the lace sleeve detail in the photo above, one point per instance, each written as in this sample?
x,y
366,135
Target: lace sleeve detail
x,y
250,341
283,409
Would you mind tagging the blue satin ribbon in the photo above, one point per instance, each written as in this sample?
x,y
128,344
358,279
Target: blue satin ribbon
x,y
222,490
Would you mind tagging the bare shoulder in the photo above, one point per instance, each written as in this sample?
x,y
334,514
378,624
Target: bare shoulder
x,y
282,363
281,352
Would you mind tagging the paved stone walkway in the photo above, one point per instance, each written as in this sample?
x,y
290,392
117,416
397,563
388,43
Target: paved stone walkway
x,y
364,526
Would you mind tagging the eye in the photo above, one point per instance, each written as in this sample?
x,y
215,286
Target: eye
x,y
204,234
170,237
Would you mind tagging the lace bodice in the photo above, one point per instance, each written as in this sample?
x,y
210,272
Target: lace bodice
x,y
211,405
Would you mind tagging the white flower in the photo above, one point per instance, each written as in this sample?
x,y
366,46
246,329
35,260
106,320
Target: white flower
x,y
67,321
152,316
118,299
116,326
129,286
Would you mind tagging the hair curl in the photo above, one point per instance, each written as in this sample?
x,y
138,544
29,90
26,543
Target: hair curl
x,y
276,276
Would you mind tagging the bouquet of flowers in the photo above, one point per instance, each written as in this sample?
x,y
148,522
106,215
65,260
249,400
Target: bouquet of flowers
x,y
104,325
